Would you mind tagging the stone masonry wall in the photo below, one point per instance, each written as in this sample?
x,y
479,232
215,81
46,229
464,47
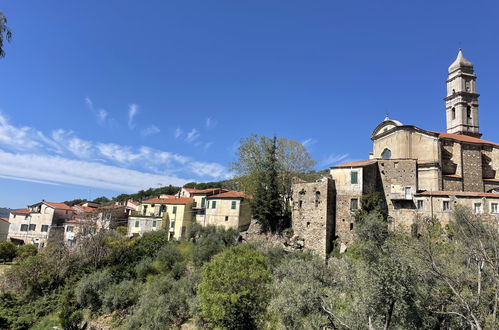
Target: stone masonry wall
x,y
313,215
451,184
472,168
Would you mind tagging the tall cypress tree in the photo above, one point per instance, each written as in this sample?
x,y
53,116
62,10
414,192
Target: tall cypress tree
x,y
266,205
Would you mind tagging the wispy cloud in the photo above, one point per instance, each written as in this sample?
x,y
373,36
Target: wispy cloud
x,y
308,142
192,135
153,129
62,157
210,123
334,159
133,109
100,113
178,132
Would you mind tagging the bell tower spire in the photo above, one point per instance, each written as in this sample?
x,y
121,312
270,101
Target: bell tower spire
x,y
461,103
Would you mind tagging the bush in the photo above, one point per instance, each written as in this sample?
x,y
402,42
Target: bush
x,y
120,296
25,251
234,291
144,268
165,304
90,290
171,260
7,251
152,242
210,241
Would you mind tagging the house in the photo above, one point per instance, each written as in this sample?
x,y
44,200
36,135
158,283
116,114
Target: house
x,y
230,209
419,173
153,214
4,229
38,222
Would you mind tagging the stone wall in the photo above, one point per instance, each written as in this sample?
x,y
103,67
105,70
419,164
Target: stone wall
x,y
472,168
453,184
313,215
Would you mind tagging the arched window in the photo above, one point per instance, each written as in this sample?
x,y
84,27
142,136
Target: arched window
x,y
453,113
468,112
386,154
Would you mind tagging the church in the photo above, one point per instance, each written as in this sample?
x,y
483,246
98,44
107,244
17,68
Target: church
x,y
420,173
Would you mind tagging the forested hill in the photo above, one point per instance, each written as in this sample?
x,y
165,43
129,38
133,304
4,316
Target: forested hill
x,y
4,212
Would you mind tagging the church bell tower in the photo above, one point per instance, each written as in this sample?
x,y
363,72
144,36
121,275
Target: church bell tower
x,y
461,103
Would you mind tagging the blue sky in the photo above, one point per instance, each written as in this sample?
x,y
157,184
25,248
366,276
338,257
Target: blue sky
x,y
104,97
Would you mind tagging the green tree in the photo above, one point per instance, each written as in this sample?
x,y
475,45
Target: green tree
x,y
5,33
8,251
265,168
234,291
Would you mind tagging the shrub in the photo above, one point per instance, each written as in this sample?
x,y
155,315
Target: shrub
x,y
25,251
234,291
152,242
210,241
144,268
165,304
120,296
171,260
90,290
7,251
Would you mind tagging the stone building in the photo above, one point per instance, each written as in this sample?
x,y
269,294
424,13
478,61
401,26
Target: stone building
x,y
418,172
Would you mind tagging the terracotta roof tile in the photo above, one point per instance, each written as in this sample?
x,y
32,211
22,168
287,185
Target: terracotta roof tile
x,y
59,206
20,211
464,138
358,163
178,200
4,219
491,180
230,194
458,193
453,176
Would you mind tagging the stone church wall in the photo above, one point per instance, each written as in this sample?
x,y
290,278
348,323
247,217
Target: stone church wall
x,y
453,184
472,168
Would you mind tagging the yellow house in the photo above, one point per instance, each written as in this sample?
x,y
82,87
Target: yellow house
x,y
229,209
152,212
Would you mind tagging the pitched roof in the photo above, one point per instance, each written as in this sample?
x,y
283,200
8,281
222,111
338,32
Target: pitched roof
x,y
230,194
464,138
179,200
4,219
491,180
59,206
358,163
84,208
458,193
20,211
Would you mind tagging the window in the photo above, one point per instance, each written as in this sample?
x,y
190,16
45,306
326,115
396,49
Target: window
x,y
154,223
477,207
203,202
144,209
493,208
69,229
354,179
137,224
468,112
386,154
226,218
420,204
351,226
174,210
445,205
162,209
453,113
300,204
354,204
214,204
233,205
32,227
45,228
24,227
172,224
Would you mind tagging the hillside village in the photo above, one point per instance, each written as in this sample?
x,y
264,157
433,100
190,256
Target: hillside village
x,y
419,173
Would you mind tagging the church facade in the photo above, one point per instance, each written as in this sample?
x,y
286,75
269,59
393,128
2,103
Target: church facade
x,y
420,173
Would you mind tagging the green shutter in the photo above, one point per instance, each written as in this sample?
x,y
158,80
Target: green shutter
x,y
214,204
233,206
203,202
154,223
174,210
354,177
136,224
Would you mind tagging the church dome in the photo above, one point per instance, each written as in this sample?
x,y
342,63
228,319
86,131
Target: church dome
x,y
460,62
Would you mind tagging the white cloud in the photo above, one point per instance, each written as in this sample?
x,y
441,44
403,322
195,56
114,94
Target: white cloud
x,y
101,114
213,170
207,145
192,135
75,145
153,129
334,159
308,142
55,169
133,109
210,123
178,132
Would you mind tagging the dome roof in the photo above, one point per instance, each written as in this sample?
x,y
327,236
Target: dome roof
x,y
460,62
